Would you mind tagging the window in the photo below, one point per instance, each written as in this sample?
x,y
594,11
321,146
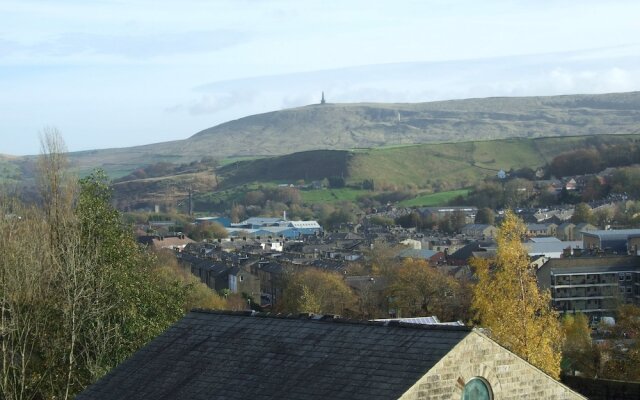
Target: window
x,y
477,389
621,276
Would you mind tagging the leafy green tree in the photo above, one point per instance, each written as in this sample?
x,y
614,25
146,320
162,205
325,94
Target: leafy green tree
x,y
578,352
603,217
623,349
109,300
517,192
627,180
337,182
337,218
487,194
381,220
485,215
254,198
207,230
568,196
594,189
582,213
453,222
411,220
84,296
510,305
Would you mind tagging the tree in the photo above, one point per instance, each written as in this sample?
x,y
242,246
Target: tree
x,y
485,215
582,213
381,259
336,182
603,216
510,305
237,213
418,289
578,352
576,162
199,294
23,299
107,296
338,217
77,293
594,189
254,198
381,220
623,349
487,194
517,192
207,230
411,220
316,291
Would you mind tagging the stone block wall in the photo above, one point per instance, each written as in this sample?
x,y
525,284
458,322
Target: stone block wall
x,y
510,376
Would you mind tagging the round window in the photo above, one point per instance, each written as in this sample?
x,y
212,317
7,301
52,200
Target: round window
x,y
477,389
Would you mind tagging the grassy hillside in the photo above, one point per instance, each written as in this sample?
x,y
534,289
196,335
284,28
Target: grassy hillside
x,y
368,125
9,170
390,130
308,165
347,126
434,199
331,195
439,167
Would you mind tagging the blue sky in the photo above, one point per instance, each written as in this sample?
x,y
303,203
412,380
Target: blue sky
x,y
121,73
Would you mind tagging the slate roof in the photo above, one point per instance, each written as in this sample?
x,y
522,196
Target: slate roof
x,y
423,254
578,265
466,252
545,239
551,247
218,355
616,240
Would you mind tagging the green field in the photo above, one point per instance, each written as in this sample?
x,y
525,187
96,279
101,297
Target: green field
x,y
331,195
445,166
231,160
434,199
429,167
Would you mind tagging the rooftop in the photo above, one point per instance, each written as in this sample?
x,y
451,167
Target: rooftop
x,y
592,264
615,234
260,356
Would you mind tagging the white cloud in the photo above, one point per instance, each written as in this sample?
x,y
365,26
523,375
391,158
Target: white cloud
x,y
216,102
126,45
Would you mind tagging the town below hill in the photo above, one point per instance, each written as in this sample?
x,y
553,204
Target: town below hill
x,y
431,233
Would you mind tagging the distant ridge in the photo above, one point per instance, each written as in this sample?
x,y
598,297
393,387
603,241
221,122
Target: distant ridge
x,y
366,125
369,125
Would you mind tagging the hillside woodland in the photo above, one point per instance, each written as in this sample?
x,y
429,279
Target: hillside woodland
x,y
77,293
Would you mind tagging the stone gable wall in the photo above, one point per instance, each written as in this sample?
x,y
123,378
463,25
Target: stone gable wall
x,y
510,377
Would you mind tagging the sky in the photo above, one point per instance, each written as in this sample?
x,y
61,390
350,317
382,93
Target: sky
x,y
109,73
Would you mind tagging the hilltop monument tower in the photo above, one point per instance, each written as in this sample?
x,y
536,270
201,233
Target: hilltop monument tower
x,y
322,101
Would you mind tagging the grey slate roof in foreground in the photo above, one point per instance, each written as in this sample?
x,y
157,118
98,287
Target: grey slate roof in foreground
x,y
218,355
